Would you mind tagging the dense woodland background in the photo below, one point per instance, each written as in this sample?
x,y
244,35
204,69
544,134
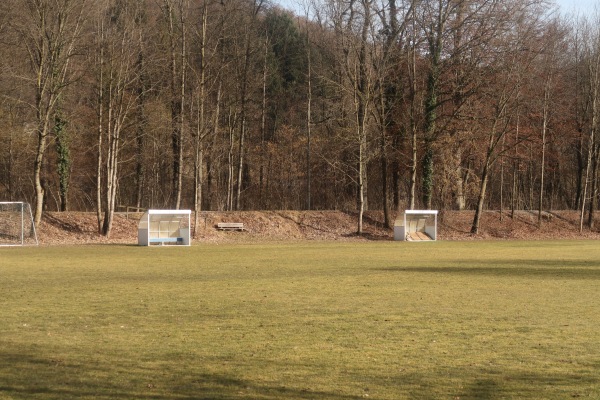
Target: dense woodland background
x,y
355,105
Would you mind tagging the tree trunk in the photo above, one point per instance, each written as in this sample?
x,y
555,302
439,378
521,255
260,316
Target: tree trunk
x,y
63,158
198,153
11,161
362,96
387,218
459,200
209,162
594,188
230,167
263,129
140,169
431,105
100,161
177,99
198,181
240,167
427,167
179,183
308,121
414,160
119,102
480,199
594,88
502,187
543,156
112,164
37,175
586,177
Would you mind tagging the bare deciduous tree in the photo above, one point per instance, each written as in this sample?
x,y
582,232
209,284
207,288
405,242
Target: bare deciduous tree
x,y
49,31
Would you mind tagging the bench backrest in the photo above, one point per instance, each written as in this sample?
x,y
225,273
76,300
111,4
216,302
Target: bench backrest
x,y
230,224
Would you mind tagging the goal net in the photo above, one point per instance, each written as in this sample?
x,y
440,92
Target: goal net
x,y
16,224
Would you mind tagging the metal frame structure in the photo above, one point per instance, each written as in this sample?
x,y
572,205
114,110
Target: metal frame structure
x,y
20,207
165,227
414,223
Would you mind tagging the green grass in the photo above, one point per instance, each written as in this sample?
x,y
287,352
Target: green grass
x,y
381,320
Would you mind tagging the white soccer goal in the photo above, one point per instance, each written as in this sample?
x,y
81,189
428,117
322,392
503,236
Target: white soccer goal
x,y
16,224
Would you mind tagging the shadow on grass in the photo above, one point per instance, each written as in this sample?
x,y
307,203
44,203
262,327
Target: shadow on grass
x,y
482,389
24,376
561,269
511,384
368,236
35,373
487,384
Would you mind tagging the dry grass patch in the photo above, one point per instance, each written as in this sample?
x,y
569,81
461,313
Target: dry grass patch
x,y
302,321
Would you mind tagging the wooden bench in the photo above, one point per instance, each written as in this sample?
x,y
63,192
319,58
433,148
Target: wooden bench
x,y
230,226
162,241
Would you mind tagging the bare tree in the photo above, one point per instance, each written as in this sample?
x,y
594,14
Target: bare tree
x,y
208,77
353,30
175,14
245,75
49,31
552,48
437,13
117,98
394,22
590,44
514,45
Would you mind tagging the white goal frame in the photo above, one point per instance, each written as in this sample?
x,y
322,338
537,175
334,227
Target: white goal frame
x,y
22,217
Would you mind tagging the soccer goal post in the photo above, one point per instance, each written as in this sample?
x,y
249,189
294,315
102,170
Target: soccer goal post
x,y
16,224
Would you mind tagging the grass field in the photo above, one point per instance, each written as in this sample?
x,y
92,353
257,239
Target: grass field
x,y
381,320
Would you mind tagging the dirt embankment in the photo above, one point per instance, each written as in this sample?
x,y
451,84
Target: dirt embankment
x,y
81,228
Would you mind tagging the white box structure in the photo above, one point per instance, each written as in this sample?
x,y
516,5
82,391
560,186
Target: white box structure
x,y
164,227
416,225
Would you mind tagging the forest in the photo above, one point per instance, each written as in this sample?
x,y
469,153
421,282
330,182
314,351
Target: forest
x,y
354,105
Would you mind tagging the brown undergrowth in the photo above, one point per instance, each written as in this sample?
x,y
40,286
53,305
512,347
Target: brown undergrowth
x,y
81,227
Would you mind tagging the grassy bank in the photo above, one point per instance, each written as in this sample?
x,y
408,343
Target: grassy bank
x,y
302,321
